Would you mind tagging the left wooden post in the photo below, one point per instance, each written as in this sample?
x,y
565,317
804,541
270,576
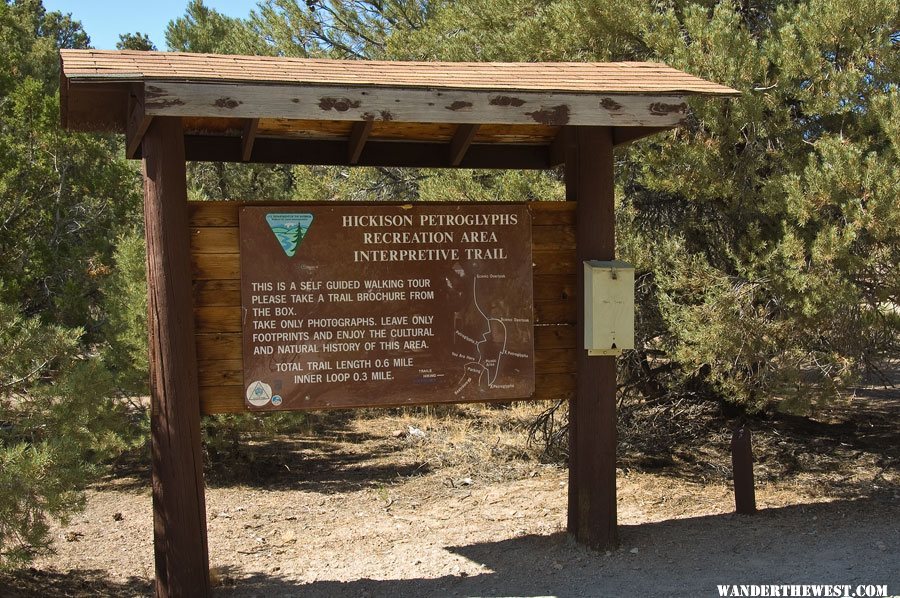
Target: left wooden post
x,y
179,506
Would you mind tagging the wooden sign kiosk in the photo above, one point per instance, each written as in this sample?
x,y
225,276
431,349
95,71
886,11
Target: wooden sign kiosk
x,y
178,107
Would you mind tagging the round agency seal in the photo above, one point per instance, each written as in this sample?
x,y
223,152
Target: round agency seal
x,y
259,393
276,400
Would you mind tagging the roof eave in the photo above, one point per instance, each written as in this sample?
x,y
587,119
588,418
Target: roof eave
x,y
87,100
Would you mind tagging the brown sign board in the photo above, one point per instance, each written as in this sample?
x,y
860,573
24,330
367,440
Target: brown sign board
x,y
385,305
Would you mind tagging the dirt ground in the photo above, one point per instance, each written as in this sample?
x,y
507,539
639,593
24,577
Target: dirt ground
x,y
455,502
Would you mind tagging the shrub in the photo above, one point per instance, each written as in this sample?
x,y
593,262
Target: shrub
x,y
57,424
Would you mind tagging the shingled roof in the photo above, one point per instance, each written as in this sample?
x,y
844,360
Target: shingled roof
x,y
277,109
563,77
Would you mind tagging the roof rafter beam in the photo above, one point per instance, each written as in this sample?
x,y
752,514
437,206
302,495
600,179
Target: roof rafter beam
x,y
248,138
359,134
359,103
138,122
625,135
459,145
558,146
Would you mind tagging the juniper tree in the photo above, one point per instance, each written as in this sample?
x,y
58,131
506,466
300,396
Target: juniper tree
x,y
62,197
766,232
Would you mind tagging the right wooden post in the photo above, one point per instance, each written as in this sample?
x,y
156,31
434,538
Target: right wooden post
x,y
592,411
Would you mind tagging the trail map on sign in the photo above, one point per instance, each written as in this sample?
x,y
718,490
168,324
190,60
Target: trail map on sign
x,y
351,306
489,348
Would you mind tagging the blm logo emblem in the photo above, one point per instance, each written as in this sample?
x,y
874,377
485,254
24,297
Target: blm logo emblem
x,y
289,229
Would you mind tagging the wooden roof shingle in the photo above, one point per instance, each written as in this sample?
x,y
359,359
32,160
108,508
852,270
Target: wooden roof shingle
x,y
378,113
563,77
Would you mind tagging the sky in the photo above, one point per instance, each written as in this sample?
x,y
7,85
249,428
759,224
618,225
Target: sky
x,y
105,20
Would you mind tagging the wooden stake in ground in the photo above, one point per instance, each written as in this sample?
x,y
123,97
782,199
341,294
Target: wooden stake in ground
x,y
742,469
179,506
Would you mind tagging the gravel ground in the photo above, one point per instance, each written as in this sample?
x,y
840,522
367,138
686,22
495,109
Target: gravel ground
x,y
368,507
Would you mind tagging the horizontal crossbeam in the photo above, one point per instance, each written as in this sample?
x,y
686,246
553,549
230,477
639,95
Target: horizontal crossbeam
x,y
202,148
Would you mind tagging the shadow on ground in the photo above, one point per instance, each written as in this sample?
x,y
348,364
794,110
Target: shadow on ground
x,y
318,464
326,457
844,542
831,447
329,455
82,582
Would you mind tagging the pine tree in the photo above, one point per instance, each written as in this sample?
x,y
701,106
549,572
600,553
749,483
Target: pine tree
x,y
766,230
135,41
62,197
61,193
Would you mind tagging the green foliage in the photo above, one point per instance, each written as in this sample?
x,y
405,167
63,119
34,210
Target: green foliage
x,y
778,211
202,29
61,194
246,182
228,438
367,30
126,365
125,304
206,30
34,486
765,231
62,198
28,348
56,426
135,41
30,38
497,30
475,185
354,29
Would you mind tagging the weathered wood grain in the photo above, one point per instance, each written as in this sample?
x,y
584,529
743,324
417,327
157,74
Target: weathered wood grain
x,y
179,509
592,409
248,138
460,143
625,135
353,103
381,130
503,77
217,296
329,152
211,266
359,134
138,122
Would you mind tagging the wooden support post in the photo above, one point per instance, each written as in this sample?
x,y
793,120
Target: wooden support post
x,y
592,411
742,469
179,509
